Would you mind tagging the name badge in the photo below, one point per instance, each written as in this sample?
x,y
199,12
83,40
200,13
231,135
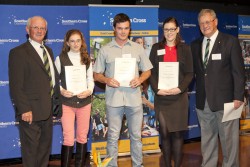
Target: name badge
x,y
126,55
161,52
216,56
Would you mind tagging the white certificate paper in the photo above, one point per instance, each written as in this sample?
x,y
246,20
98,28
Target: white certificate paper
x,y
230,113
76,79
168,75
124,70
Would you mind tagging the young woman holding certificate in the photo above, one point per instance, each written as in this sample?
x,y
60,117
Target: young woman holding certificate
x,y
76,105
171,103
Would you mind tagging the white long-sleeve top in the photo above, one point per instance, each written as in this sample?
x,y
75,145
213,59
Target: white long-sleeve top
x,y
76,61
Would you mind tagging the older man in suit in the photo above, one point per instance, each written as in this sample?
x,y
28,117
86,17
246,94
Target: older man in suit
x,y
33,87
219,73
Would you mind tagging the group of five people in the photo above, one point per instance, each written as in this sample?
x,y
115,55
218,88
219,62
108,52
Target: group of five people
x,y
220,79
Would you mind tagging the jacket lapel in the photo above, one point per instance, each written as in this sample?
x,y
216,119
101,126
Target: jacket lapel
x,y
200,53
160,57
215,48
35,56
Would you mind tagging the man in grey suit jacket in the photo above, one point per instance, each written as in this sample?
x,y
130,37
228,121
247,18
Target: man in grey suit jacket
x,y
219,80
32,95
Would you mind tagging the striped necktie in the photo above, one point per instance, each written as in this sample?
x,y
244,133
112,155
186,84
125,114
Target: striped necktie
x,y
47,67
206,54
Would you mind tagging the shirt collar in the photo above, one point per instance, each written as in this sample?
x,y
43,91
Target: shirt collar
x,y
213,37
114,43
34,43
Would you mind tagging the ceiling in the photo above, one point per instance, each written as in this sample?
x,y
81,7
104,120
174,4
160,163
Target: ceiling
x,y
229,2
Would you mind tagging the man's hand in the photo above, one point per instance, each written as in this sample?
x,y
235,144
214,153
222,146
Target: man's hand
x,y
112,82
237,104
135,82
27,117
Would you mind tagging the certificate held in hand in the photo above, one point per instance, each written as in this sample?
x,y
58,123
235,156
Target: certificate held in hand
x,y
124,70
76,78
168,75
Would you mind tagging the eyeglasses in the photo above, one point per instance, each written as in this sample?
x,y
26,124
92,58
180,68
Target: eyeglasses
x,y
206,22
39,28
170,29
75,41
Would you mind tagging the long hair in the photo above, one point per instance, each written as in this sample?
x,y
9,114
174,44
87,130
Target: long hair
x,y
178,36
85,59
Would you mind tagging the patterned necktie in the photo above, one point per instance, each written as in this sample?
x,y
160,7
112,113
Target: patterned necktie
x,y
206,54
47,67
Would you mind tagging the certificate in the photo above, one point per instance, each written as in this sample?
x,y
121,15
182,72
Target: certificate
x,y
168,75
230,113
124,70
76,79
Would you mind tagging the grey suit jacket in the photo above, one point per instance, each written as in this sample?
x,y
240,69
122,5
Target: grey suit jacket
x,y
29,82
223,80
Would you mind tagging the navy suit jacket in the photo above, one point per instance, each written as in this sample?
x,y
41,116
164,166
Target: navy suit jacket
x,y
223,80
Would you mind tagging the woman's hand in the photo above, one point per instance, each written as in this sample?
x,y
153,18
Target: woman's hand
x,y
66,93
84,94
165,92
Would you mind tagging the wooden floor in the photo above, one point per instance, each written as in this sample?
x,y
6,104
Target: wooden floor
x,y
192,156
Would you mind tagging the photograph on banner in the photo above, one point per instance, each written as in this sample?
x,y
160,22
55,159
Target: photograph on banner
x,y
245,45
245,116
146,42
99,121
100,127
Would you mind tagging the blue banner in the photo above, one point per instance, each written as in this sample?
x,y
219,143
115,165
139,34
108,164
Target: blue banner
x,y
13,22
144,28
189,29
244,37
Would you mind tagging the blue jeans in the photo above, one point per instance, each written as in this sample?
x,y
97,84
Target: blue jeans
x,y
134,116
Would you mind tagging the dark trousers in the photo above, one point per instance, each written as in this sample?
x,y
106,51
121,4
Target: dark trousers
x,y
36,140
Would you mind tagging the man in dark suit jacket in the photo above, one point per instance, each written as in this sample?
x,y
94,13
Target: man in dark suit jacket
x,y
32,95
220,80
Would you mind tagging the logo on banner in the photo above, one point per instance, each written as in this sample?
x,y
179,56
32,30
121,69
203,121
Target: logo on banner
x,y
5,124
245,27
4,83
50,41
61,20
229,27
2,41
132,20
16,142
188,25
193,126
16,21
108,18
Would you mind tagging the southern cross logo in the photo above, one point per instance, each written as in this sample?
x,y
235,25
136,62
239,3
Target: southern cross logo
x,y
16,143
61,20
16,21
11,18
107,18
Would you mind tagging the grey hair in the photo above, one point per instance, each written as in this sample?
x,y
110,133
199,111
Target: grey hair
x,y
29,20
207,11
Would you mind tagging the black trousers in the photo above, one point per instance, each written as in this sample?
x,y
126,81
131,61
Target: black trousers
x,y
36,140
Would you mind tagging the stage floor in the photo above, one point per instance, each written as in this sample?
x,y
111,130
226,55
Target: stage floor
x,y
191,158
